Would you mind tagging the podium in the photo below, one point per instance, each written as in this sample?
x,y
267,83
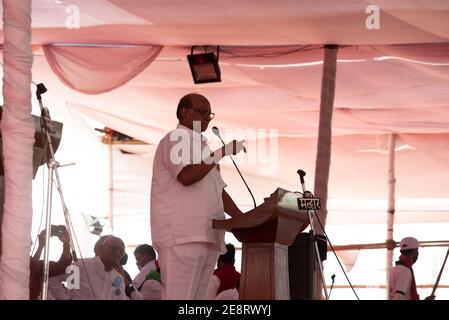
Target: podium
x,y
265,232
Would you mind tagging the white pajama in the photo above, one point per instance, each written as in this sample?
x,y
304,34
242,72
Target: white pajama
x,y
190,267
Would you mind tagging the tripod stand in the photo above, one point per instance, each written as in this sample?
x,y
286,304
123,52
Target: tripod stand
x,y
301,174
52,171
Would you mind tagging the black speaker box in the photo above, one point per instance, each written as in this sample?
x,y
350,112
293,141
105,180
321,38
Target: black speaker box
x,y
301,265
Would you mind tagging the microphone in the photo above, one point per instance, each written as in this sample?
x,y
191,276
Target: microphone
x,y
45,113
332,285
100,130
40,88
302,174
217,133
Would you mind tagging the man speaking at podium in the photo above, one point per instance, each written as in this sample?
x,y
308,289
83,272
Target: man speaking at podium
x,y
187,193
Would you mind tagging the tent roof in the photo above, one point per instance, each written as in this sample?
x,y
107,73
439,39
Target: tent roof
x,y
234,22
391,80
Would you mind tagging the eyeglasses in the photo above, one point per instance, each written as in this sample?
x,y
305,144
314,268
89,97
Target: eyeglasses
x,y
204,113
117,249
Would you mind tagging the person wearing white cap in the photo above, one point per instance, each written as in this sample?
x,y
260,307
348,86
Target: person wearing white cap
x,y
402,285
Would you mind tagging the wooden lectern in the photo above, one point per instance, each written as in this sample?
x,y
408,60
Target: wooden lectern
x,y
266,232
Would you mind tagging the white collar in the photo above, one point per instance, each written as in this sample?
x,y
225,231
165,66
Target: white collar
x,y
150,266
147,268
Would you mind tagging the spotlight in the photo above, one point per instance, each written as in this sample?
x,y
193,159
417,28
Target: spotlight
x,y
204,66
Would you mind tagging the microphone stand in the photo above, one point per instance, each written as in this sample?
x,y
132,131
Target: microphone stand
x,y
217,133
301,174
52,170
332,285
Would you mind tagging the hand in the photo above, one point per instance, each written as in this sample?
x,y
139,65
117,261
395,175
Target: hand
x,y
431,297
233,147
64,236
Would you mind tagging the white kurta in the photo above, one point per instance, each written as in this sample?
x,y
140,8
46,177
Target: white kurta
x,y
151,290
230,294
95,283
181,214
400,280
140,278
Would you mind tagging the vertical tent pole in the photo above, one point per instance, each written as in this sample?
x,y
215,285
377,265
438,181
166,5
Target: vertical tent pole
x,y
323,157
111,187
391,207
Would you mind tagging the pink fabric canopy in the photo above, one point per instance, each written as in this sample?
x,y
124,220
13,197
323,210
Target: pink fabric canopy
x,y
380,90
233,22
98,69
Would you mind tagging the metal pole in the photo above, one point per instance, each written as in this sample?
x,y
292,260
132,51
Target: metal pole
x,y
391,208
47,232
111,187
52,171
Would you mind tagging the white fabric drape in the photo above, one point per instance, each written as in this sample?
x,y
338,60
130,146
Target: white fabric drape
x,y
348,258
18,137
98,69
323,156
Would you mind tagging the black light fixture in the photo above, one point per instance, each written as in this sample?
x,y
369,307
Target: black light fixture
x,y
204,66
40,142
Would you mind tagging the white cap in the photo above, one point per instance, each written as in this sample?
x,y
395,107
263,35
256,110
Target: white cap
x,y
409,243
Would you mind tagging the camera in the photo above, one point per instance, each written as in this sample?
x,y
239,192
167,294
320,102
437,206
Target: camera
x,y
56,230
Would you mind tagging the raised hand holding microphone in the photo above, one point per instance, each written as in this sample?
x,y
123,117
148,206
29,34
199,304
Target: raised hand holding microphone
x,y
233,148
